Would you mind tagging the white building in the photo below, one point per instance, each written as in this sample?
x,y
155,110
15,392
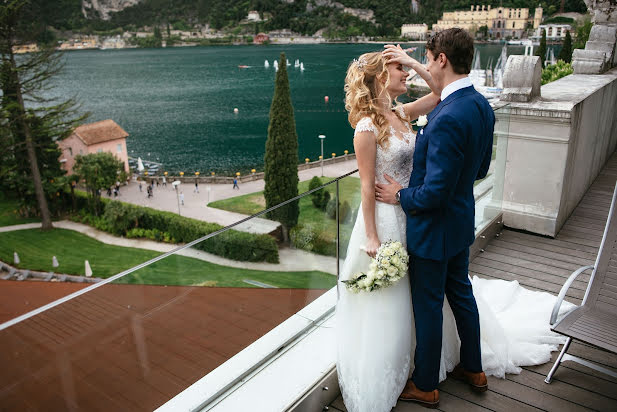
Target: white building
x,y
414,31
253,16
554,32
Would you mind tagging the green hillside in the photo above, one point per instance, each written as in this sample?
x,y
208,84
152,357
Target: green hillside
x,y
301,16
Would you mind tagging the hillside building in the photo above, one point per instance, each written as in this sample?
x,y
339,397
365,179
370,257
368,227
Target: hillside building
x,y
414,31
103,136
502,22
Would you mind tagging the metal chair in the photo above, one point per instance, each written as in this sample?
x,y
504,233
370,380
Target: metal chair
x,y
595,321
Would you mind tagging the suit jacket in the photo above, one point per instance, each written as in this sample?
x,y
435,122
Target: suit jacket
x,y
452,151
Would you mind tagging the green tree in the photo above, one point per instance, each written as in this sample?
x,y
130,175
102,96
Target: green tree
x,y
99,171
582,34
542,49
281,157
32,121
483,30
566,50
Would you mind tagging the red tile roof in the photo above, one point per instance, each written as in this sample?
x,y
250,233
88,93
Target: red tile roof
x,y
99,132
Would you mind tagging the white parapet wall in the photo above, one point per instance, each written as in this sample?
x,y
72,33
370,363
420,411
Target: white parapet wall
x,y
557,145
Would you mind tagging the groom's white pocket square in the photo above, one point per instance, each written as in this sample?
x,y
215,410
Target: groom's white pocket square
x,y
421,131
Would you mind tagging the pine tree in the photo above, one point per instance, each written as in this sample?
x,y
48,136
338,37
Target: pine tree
x,y
281,157
32,122
542,49
566,51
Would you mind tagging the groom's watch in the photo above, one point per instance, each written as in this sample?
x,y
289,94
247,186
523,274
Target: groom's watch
x,y
397,196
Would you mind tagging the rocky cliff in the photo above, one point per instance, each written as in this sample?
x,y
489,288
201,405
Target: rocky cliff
x,y
102,8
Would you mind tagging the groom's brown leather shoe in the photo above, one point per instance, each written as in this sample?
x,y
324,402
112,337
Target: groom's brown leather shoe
x,y
413,394
476,380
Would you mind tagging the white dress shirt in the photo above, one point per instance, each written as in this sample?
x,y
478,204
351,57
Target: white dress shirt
x,y
454,86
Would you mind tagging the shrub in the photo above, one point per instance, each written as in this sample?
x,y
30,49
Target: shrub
x,y
556,71
302,237
331,208
315,196
123,219
345,212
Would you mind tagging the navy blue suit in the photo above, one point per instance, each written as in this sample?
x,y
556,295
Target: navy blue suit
x,y
452,151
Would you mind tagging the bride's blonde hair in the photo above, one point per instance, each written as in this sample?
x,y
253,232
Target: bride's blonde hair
x,y
362,90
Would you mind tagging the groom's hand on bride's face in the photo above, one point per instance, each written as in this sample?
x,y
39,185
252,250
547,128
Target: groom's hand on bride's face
x,y
386,193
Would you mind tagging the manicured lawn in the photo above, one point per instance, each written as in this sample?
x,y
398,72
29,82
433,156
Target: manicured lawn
x,y
36,248
9,215
349,191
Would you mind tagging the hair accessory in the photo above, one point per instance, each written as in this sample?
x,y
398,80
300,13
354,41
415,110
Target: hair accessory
x,y
361,63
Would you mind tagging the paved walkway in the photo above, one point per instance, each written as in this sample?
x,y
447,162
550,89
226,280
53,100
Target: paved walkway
x,y
195,204
290,259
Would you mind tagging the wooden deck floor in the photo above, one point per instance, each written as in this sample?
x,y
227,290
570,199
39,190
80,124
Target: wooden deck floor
x,y
542,263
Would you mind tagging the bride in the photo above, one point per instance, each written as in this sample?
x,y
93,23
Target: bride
x,y
375,332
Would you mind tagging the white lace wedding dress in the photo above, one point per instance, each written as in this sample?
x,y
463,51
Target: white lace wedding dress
x,y
375,331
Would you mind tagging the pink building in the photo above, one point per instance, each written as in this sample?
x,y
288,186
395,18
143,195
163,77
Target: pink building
x,y
103,136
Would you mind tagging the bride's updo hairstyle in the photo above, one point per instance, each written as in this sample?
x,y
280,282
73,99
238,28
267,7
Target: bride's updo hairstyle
x,y
362,90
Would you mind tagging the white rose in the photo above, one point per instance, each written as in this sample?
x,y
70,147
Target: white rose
x,y
395,260
392,271
422,121
380,274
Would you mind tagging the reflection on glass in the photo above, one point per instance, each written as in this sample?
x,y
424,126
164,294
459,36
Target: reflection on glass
x,y
488,192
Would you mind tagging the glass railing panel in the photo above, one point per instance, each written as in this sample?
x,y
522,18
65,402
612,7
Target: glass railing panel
x,y
135,342
488,192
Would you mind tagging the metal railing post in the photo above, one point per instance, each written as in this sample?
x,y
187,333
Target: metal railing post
x,y
338,234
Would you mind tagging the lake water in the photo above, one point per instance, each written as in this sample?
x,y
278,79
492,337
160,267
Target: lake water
x,y
177,104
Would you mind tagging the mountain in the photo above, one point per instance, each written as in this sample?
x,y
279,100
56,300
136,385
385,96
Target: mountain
x,y
301,16
103,9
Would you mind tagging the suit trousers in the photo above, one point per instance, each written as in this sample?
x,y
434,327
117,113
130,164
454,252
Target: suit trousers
x,y
430,281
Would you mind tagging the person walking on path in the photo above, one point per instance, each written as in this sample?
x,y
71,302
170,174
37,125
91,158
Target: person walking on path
x,y
196,187
164,181
140,186
182,198
235,186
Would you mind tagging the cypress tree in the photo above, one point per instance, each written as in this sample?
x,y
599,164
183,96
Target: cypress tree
x,y
566,51
542,49
281,157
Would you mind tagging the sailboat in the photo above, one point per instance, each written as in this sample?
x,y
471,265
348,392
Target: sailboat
x,y
276,65
287,61
477,75
297,63
500,67
301,67
266,64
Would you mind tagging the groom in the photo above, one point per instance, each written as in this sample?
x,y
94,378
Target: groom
x,y
452,151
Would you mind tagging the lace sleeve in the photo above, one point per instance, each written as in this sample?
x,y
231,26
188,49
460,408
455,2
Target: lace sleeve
x,y
365,125
401,111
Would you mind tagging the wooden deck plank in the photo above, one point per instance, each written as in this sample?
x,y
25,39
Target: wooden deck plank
x,y
547,254
527,268
490,400
564,390
552,245
531,396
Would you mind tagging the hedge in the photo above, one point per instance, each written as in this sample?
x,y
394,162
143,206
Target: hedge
x,y
123,219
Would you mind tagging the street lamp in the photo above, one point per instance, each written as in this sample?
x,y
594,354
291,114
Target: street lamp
x,y
322,137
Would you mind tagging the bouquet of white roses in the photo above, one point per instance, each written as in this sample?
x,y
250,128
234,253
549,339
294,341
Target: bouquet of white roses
x,y
388,266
